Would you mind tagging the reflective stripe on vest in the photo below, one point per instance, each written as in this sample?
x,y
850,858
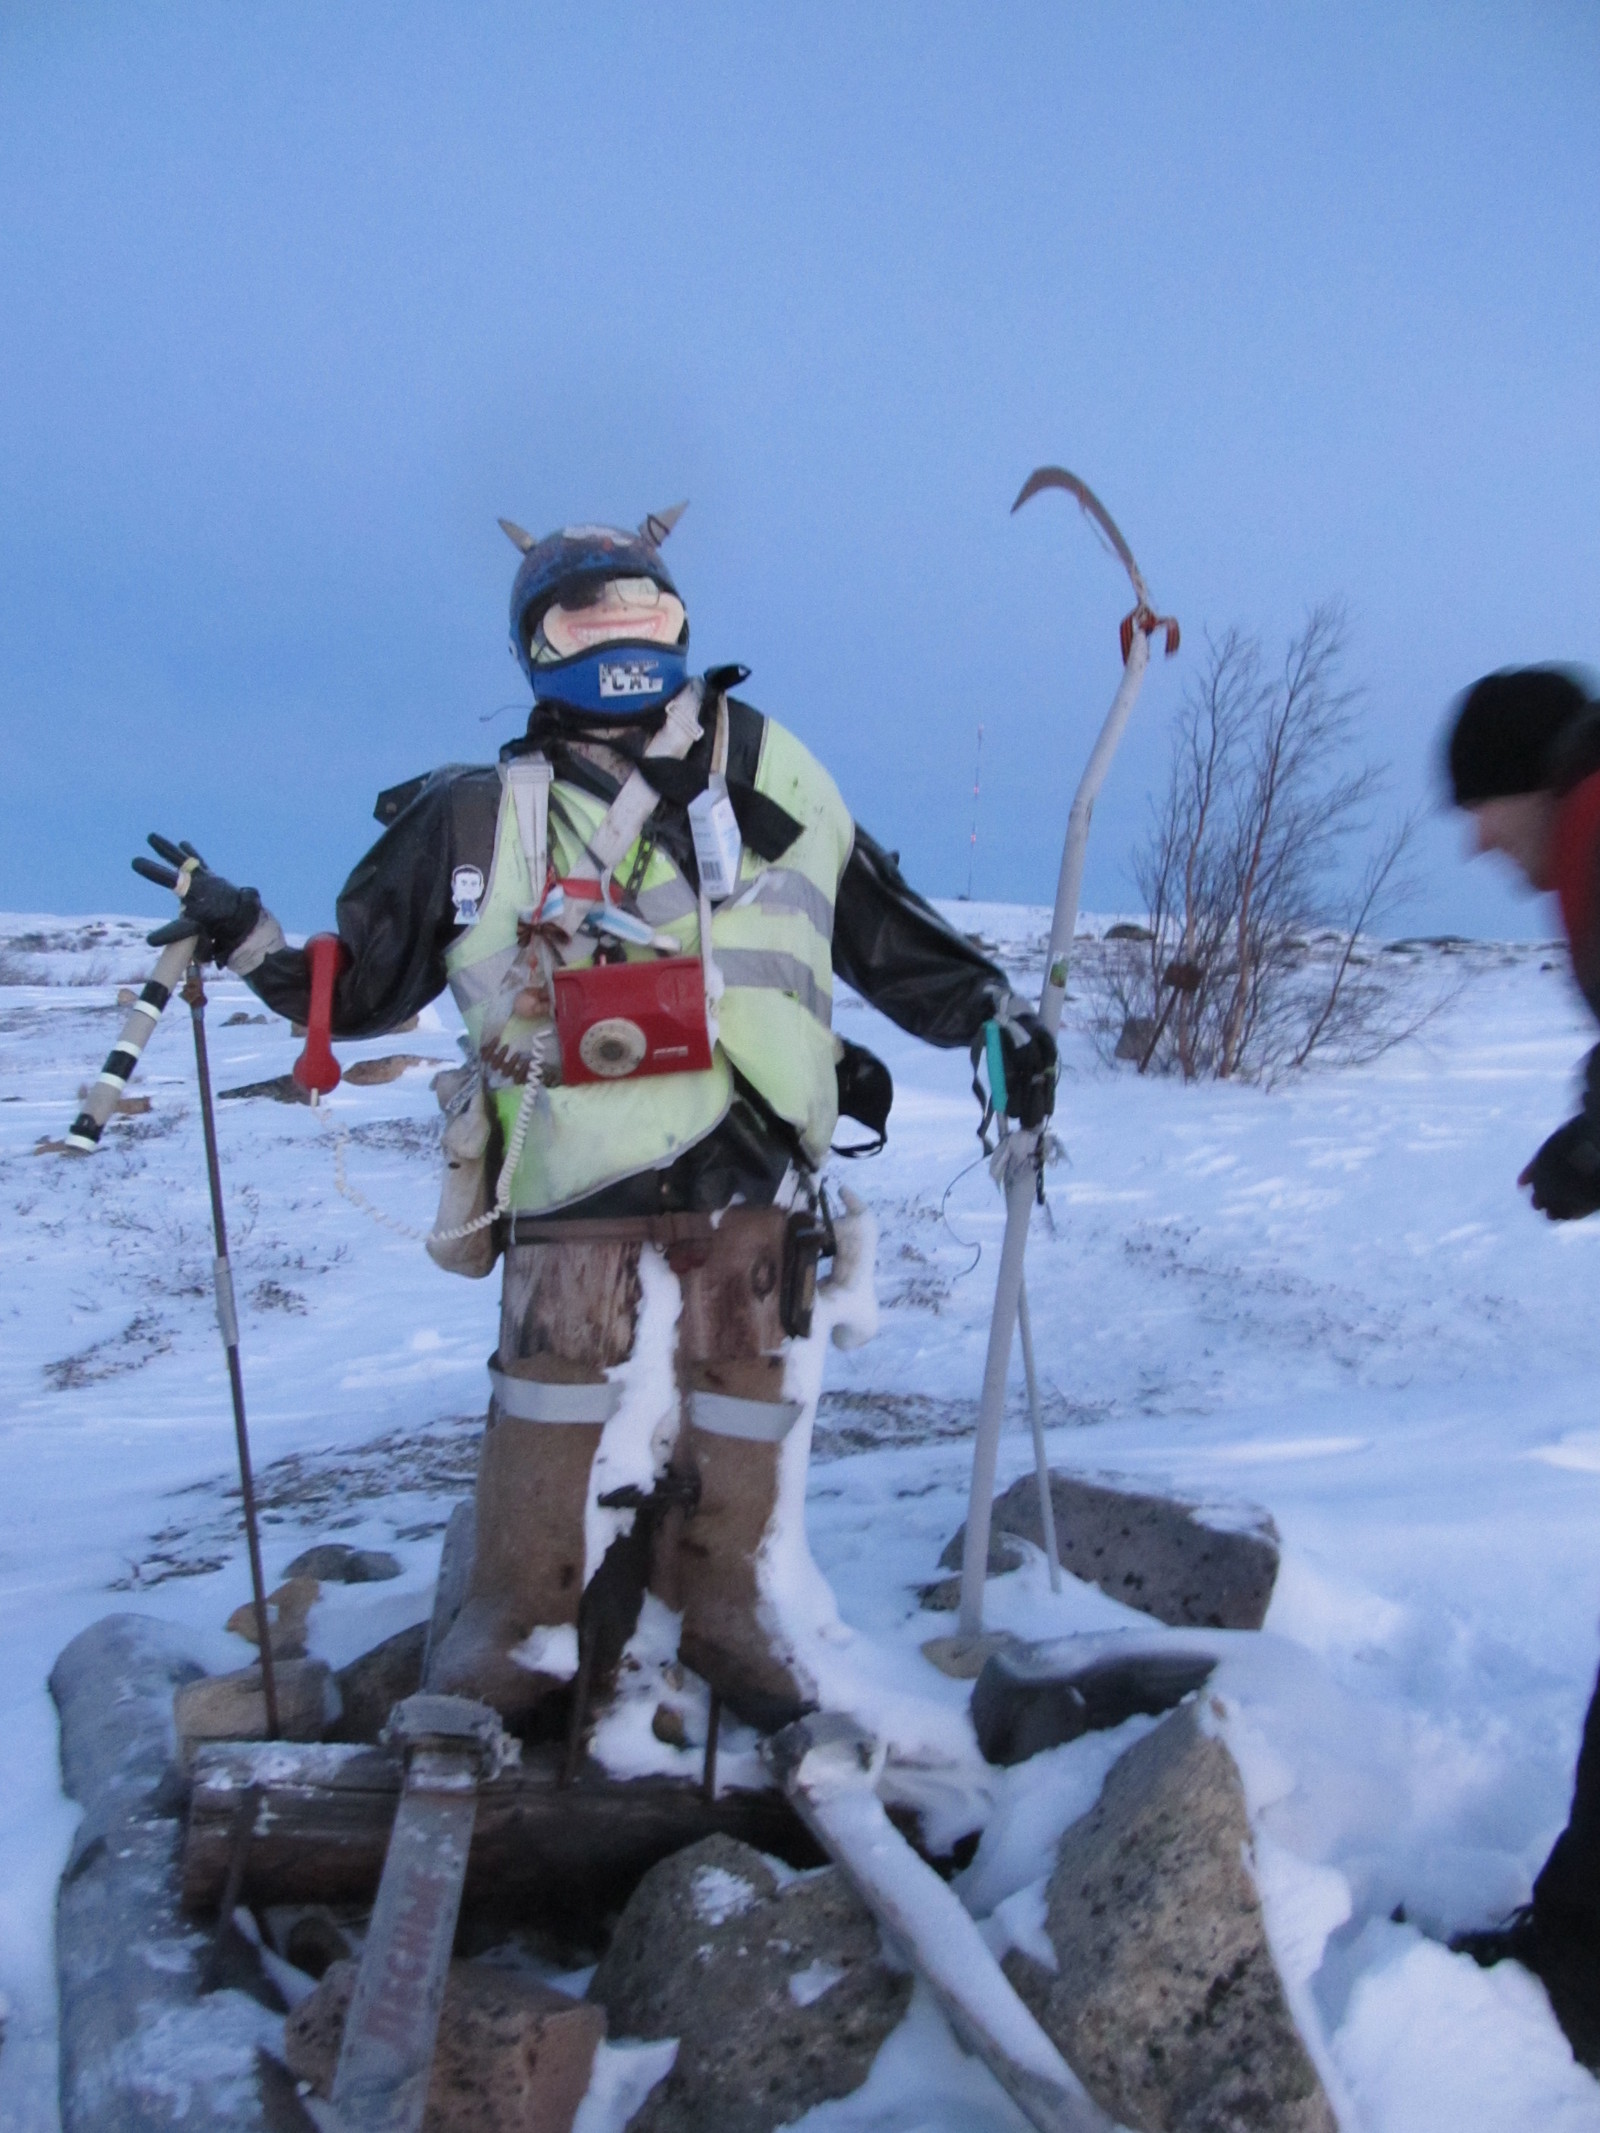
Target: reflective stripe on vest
x,y
772,942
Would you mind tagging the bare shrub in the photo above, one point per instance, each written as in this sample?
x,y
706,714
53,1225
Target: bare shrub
x,y
1255,959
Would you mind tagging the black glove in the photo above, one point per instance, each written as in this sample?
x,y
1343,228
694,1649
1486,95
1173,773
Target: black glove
x,y
212,908
1565,1174
1028,1055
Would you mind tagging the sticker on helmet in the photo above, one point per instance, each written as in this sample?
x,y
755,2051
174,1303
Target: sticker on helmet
x,y
466,890
631,677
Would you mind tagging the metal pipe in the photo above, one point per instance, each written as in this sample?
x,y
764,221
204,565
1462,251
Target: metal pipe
x,y
1022,1147
1069,882
228,1321
1041,1458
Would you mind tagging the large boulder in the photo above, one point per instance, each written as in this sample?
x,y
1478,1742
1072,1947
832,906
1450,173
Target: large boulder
x,y
776,1989
141,2050
513,2055
1165,1999
371,1686
1187,1564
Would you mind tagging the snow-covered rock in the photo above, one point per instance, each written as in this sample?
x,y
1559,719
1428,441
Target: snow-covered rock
x,y
1160,1988
773,1983
141,2050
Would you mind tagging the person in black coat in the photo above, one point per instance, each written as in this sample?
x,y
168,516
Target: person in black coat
x,y
1524,763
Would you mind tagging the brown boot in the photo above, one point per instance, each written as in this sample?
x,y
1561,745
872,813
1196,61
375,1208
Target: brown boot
x,y
528,1564
567,1313
729,1337
729,1635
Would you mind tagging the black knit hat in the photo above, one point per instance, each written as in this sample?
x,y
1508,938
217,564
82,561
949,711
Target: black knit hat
x,y
1509,732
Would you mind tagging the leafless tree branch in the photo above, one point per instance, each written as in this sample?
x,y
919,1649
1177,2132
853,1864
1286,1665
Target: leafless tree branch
x,y
1254,962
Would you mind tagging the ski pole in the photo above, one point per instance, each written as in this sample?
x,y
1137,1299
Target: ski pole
x,y
1021,1150
194,992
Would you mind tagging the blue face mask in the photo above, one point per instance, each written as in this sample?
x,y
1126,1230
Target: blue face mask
x,y
619,681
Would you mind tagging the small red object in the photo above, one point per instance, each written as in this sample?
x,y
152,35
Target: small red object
x,y
316,1069
620,1021
1143,619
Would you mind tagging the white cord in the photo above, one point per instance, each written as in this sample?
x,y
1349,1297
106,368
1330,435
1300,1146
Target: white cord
x,y
502,1190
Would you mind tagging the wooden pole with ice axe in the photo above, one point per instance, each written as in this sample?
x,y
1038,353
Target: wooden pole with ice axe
x,y
1021,1153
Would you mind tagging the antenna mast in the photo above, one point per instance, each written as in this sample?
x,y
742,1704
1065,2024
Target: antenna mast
x,y
972,842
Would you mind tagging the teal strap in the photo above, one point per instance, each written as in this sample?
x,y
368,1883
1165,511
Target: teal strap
x,y
995,1056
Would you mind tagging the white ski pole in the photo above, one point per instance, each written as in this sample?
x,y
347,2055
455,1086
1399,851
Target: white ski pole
x,y
1020,1150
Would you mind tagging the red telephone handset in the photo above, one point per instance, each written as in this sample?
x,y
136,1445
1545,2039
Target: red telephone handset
x,y
316,1069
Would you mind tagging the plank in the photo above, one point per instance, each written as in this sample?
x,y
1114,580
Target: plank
x,y
566,1855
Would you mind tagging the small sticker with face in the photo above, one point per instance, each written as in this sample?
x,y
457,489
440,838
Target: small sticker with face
x,y
466,891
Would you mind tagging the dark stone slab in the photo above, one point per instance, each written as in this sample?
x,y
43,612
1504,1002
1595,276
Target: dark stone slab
x,y
1034,1696
334,1563
779,1996
1157,1553
281,1088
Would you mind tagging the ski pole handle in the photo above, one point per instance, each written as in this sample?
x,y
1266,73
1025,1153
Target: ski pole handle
x,y
83,1135
316,1069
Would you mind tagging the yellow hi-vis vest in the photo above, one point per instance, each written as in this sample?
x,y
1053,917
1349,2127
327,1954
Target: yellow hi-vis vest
x,y
772,942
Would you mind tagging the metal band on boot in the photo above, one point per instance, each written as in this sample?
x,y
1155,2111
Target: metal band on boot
x,y
720,1414
537,1400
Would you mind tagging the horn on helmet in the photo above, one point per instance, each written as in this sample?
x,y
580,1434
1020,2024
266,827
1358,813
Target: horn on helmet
x,y
656,525
515,534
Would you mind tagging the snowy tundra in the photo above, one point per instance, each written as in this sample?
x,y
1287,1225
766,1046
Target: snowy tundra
x,y
1327,1300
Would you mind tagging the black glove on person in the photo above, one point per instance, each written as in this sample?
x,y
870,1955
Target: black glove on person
x,y
212,906
1028,1054
1565,1174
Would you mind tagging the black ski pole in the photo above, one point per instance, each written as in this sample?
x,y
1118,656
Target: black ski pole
x,y
194,992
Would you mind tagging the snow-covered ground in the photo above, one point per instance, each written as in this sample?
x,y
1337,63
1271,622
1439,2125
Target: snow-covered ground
x,y
1328,1300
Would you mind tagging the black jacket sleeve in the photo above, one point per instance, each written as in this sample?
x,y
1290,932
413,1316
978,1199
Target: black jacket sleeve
x,y
396,913
899,954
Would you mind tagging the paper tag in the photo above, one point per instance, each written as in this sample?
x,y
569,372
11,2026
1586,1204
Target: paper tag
x,y
718,847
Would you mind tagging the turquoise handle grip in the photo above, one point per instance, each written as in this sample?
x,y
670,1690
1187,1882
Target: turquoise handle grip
x,y
995,1057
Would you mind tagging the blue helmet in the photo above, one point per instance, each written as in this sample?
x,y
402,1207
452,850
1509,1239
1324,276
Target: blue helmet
x,y
620,679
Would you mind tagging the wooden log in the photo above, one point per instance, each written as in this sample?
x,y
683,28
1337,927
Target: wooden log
x,y
568,1856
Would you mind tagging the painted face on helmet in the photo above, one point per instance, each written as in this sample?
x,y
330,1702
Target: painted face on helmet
x,y
612,611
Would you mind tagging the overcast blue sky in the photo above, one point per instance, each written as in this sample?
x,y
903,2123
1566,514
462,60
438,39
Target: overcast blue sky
x,y
294,300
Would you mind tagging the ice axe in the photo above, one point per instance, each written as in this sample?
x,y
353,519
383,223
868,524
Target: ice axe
x,y
1020,1152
